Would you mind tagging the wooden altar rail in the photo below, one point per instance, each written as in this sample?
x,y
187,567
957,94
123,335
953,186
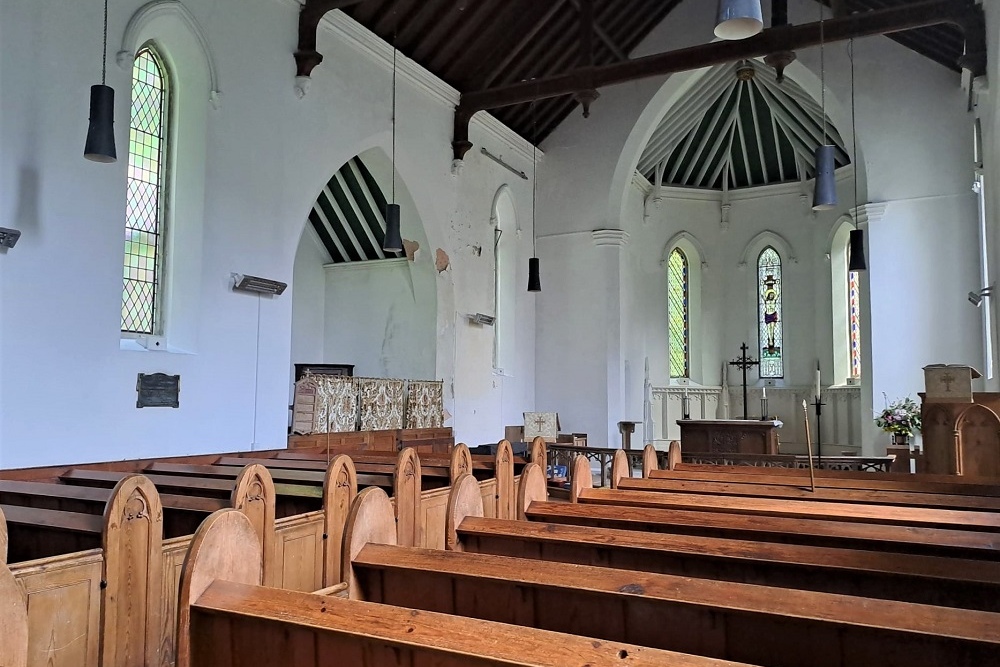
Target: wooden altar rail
x,y
117,606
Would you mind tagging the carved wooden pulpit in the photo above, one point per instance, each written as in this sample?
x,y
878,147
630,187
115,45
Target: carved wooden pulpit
x,y
961,428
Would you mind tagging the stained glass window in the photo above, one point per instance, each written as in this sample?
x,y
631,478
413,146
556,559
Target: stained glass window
x,y
854,321
678,313
769,313
144,219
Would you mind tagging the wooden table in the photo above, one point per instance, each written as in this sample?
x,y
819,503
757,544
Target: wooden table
x,y
729,436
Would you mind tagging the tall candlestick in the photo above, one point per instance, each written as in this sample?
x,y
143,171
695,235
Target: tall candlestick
x,y
817,381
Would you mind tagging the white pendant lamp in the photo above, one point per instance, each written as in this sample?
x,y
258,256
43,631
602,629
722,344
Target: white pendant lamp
x,y
738,19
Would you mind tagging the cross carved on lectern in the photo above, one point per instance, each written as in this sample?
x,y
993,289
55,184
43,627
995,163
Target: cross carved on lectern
x,y
947,379
539,423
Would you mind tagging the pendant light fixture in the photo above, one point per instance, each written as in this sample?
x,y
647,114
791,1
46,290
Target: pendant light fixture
x,y
393,240
100,146
534,277
856,247
738,19
825,194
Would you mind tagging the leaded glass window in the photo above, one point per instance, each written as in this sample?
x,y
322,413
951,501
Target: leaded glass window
x,y
678,313
144,206
854,321
769,313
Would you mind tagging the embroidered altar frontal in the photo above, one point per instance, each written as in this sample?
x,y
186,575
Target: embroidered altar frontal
x,y
337,404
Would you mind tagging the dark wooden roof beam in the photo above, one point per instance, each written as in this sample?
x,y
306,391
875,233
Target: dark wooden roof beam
x,y
964,14
312,12
603,35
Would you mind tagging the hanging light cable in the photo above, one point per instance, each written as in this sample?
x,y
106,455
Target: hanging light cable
x,y
856,247
100,146
393,240
825,194
534,277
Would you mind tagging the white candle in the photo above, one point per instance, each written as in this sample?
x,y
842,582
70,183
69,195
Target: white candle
x,y
817,382
763,393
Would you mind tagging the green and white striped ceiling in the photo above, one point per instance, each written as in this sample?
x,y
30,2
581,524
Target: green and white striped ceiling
x,y
743,131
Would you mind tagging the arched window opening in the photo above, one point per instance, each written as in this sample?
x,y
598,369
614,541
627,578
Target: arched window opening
x,y
854,321
679,314
145,224
769,313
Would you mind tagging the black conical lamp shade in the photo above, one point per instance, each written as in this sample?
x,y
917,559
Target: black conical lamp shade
x,y
534,279
856,251
100,145
825,196
393,241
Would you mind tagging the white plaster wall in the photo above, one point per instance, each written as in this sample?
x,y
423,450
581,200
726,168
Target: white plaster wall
x,y
381,316
308,303
267,155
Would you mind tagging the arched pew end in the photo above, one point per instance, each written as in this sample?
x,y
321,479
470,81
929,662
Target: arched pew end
x,y
580,478
227,548
340,487
406,491
132,576
371,521
461,462
504,472
620,468
13,619
673,455
532,487
539,452
253,495
3,539
464,500
649,461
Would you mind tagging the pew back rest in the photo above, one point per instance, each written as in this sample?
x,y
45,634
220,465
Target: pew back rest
x,y
225,548
13,620
3,538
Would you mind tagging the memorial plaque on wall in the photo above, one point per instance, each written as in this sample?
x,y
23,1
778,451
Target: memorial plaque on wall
x,y
158,390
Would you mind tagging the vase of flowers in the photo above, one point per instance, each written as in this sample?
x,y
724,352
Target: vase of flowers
x,y
900,418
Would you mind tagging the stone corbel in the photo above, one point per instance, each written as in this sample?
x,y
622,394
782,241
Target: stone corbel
x,y
306,55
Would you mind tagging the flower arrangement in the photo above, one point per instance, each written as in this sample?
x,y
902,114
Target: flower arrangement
x,y
900,417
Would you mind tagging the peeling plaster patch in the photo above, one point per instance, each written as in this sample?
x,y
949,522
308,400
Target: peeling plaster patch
x,y
410,248
477,250
441,261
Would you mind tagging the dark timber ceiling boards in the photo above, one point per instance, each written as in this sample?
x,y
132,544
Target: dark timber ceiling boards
x,y
348,216
479,45
738,123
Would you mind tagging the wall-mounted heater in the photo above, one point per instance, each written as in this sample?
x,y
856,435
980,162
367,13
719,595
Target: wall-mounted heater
x,y
8,237
482,320
257,285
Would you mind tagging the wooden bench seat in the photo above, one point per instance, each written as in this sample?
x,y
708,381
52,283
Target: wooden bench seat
x,y
799,478
266,626
871,537
291,498
34,533
801,509
279,475
864,496
182,514
979,485
720,619
905,577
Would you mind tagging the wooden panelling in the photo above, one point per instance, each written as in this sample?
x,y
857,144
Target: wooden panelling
x,y
298,552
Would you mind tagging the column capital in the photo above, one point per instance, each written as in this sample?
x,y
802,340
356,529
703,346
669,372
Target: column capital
x,y
869,213
609,237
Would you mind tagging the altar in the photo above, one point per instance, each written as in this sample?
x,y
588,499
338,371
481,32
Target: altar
x,y
729,436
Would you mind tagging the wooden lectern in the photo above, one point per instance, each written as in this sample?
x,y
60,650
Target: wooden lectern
x,y
961,428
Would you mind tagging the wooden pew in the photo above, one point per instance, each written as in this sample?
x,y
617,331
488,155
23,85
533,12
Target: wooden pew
x,y
35,533
292,498
13,619
858,496
221,597
182,514
582,490
764,625
928,580
280,475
